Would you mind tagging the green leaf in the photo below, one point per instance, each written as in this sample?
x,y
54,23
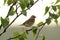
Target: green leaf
x,y
21,38
40,23
22,4
31,2
58,7
5,1
56,21
34,30
48,21
57,1
12,12
15,34
43,37
27,3
24,12
24,35
4,22
55,16
9,2
54,8
46,10
59,13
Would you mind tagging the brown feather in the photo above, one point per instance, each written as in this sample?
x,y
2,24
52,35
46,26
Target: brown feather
x,y
30,21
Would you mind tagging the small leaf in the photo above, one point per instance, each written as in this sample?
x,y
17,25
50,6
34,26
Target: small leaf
x,y
5,1
48,21
43,37
58,7
27,3
56,21
59,13
12,12
24,35
34,30
24,12
9,2
31,2
21,38
46,10
57,1
55,16
54,8
22,4
40,23
4,22
15,34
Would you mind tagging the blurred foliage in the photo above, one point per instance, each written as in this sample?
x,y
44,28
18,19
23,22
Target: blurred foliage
x,y
26,4
4,22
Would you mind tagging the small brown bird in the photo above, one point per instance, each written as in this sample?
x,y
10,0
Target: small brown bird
x,y
30,21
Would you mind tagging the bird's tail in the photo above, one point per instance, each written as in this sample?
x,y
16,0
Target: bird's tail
x,y
21,25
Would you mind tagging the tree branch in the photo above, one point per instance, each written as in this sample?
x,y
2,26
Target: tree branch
x,y
9,25
8,13
14,37
16,10
27,31
14,19
39,31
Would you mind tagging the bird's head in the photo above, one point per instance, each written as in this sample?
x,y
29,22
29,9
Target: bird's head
x,y
33,16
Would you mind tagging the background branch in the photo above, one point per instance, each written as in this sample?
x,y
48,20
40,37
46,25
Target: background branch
x,y
14,37
28,31
39,31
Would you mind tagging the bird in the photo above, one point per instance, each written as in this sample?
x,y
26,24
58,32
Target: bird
x,y
29,22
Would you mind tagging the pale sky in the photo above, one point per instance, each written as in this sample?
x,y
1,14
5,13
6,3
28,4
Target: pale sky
x,y
38,10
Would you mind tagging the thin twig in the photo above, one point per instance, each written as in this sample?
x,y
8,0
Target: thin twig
x,y
39,31
14,37
8,13
13,21
9,25
16,9
26,30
